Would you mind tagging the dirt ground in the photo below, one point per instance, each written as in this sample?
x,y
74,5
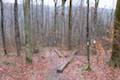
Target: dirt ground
x,y
46,63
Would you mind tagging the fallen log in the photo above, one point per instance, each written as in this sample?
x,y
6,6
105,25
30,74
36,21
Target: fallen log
x,y
62,67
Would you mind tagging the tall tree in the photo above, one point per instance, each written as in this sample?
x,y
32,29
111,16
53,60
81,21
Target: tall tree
x,y
95,17
95,9
115,58
17,30
63,23
42,21
55,22
88,37
70,25
28,40
2,27
63,6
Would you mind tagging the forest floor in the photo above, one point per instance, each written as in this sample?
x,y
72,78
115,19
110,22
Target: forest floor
x,y
46,63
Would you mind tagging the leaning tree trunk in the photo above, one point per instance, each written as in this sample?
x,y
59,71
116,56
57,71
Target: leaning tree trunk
x,y
115,58
28,41
17,31
70,25
2,27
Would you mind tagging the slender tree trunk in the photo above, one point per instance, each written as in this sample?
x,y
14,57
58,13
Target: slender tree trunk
x,y
37,22
80,41
70,25
17,31
96,34
42,21
63,6
63,24
28,41
2,27
88,37
115,58
55,18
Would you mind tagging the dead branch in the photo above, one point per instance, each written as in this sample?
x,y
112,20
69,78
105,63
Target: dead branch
x,y
66,63
58,52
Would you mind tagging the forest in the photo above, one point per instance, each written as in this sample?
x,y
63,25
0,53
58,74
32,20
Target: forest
x,y
59,40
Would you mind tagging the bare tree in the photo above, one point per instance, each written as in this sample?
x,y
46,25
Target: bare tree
x,y
95,18
70,25
2,27
115,58
63,6
55,18
17,31
88,37
63,23
42,21
28,41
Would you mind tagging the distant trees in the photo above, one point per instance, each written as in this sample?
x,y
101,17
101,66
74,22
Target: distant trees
x,y
115,58
59,28
81,22
36,28
17,31
70,25
28,41
2,27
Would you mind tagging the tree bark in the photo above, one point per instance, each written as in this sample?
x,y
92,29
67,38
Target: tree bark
x,y
88,37
42,21
63,24
2,27
17,30
115,58
28,40
95,26
70,25
55,27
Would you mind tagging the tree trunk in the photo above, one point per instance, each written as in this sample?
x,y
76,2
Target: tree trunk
x,y
17,31
70,25
55,27
95,26
63,24
42,22
115,58
88,37
28,41
2,27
